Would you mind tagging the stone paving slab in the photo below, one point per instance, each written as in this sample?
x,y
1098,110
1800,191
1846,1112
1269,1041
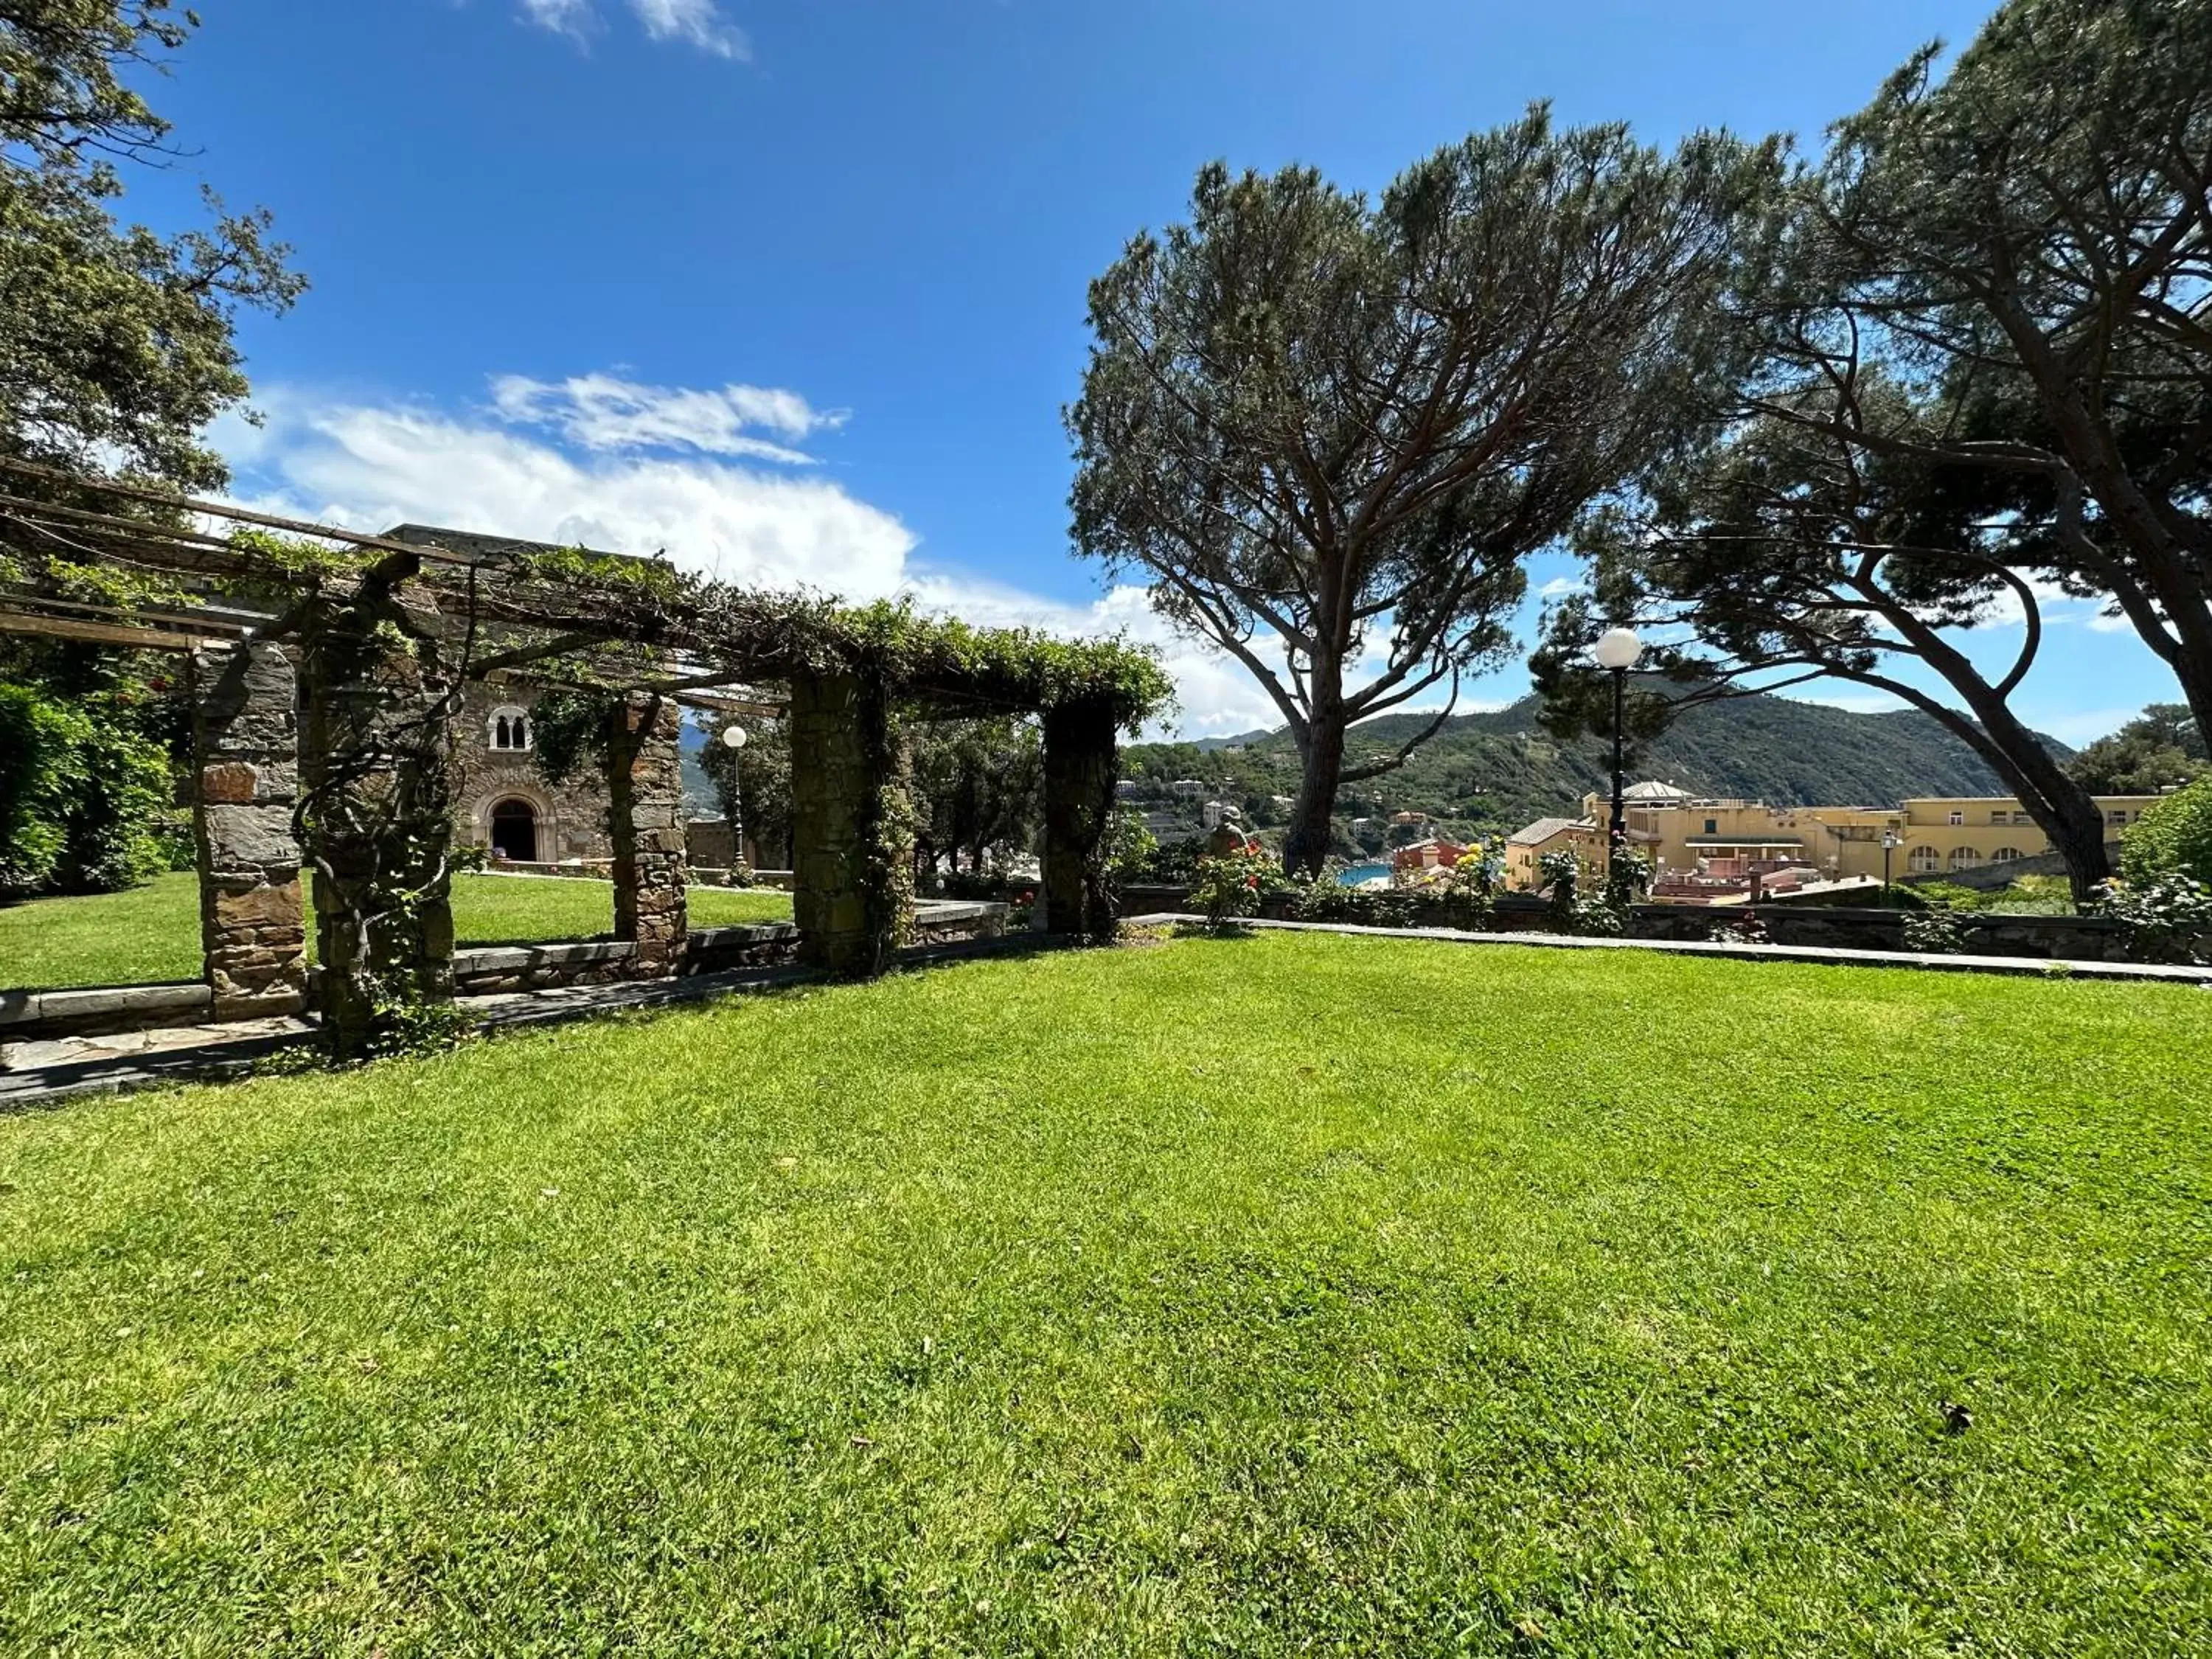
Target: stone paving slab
x,y
2032,966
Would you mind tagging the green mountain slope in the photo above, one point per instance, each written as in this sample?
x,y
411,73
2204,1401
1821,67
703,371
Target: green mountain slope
x,y
1499,770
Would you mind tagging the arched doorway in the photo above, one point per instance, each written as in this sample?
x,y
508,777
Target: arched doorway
x,y
515,831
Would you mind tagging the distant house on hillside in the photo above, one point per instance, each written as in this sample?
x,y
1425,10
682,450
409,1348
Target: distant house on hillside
x,y
1689,835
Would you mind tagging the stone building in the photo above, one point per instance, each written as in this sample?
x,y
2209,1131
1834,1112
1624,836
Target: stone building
x,y
501,799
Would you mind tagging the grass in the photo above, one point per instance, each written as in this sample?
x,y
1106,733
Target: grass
x,y
1296,1294
151,934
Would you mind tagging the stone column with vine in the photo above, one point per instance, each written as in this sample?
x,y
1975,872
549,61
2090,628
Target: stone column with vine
x,y
1079,808
381,683
852,823
645,819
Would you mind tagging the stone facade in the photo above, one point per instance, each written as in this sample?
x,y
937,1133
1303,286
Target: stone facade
x,y
246,747
565,821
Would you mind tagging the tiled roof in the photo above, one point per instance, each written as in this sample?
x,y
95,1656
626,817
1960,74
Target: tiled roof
x,y
1544,829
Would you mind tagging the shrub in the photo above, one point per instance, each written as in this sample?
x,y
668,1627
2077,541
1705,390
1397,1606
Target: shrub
x,y
2173,838
2167,917
1933,934
1235,884
82,795
41,769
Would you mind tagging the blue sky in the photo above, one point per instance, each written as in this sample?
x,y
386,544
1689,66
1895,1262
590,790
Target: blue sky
x,y
796,290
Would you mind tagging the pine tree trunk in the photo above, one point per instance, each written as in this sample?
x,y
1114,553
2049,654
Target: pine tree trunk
x,y
1306,844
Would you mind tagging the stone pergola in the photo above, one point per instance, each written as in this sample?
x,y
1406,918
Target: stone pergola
x,y
325,669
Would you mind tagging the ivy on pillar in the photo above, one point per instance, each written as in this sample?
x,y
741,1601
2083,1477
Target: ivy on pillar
x,y
1079,806
853,824
377,807
245,779
645,778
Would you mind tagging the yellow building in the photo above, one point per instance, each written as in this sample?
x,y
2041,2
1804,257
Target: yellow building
x,y
1933,834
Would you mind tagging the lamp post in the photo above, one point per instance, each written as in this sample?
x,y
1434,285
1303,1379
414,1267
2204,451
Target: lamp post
x,y
1616,652
1889,841
733,740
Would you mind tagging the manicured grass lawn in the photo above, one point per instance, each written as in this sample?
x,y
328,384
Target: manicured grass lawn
x,y
1297,1294
152,934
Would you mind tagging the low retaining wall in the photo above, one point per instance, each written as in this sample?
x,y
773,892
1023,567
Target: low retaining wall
x,y
101,1011
2050,939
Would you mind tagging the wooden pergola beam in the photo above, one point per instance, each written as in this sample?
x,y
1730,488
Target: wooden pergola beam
x,y
99,632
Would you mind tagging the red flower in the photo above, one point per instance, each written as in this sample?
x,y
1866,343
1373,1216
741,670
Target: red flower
x,y
1252,882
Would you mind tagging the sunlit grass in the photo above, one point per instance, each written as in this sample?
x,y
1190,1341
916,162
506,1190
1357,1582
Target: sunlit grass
x,y
151,934
1298,1294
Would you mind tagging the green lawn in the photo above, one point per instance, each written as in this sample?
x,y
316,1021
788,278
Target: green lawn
x,y
152,934
1295,1294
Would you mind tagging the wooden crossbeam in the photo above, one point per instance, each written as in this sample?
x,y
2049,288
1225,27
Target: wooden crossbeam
x,y
99,633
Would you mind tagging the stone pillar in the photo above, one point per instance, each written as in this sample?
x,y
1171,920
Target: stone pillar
x,y
1079,806
377,773
852,825
246,749
645,820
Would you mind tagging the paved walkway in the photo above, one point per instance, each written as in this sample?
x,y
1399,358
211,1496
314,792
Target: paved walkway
x,y
2032,966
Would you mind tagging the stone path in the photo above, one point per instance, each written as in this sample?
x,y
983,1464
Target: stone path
x,y
2032,966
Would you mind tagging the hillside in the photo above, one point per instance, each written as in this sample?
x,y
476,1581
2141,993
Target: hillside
x,y
1499,770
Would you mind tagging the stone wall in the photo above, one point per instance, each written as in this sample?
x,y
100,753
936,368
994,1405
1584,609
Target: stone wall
x,y
645,816
2059,939
246,756
572,816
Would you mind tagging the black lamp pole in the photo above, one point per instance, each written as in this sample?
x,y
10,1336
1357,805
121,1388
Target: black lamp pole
x,y
1616,835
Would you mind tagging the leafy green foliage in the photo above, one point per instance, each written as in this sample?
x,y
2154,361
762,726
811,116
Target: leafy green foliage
x,y
86,772
865,1321
111,338
1227,885
41,770
2167,915
2173,837
979,789
2160,748
1304,414
570,730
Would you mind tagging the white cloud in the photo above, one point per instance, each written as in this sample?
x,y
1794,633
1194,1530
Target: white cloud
x,y
2113,621
695,22
1560,587
568,17
370,467
692,22
601,412
584,460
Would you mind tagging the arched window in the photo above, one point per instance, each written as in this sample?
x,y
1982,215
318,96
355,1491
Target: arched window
x,y
1967,857
508,729
1923,860
2005,855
